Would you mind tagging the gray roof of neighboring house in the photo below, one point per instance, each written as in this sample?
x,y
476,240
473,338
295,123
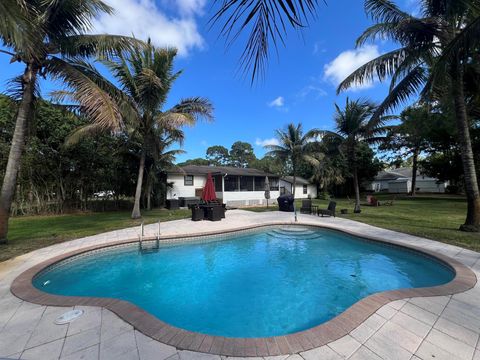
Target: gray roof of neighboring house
x,y
300,180
400,173
217,170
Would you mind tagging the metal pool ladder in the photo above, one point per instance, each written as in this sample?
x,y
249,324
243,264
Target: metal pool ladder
x,y
145,245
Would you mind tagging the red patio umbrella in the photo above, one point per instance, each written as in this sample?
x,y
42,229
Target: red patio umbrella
x,y
209,190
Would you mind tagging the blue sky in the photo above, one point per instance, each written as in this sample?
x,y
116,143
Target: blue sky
x,y
299,85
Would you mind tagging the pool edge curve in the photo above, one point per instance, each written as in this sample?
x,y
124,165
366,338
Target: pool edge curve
x,y
317,336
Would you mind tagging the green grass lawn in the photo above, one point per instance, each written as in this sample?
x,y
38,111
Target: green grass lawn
x,y
28,233
433,217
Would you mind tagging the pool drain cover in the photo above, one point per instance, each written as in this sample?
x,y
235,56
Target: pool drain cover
x,y
69,316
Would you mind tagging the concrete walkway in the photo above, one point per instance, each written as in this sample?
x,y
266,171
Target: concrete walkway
x,y
445,327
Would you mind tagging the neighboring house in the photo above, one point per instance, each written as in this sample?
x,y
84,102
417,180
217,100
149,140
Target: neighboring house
x,y
400,181
235,186
304,189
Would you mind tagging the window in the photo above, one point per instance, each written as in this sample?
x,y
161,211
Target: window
x,y
305,189
188,180
259,183
273,184
246,183
231,183
217,180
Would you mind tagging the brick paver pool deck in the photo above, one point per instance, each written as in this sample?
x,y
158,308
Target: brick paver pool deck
x,y
414,327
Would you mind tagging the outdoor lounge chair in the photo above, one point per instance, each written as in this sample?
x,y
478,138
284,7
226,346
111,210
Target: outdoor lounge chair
x,y
330,211
307,207
372,201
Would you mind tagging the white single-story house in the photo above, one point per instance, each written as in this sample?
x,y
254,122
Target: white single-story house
x,y
303,189
235,186
400,181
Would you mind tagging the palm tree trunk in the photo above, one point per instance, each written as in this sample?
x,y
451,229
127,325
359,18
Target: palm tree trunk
x,y
472,222
16,149
414,172
149,195
138,192
356,187
294,184
356,209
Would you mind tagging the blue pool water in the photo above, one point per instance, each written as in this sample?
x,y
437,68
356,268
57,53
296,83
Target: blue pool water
x,y
271,282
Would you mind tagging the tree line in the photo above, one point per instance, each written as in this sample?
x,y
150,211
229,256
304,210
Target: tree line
x,y
436,60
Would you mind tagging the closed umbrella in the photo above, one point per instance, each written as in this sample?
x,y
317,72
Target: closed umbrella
x,y
267,189
208,193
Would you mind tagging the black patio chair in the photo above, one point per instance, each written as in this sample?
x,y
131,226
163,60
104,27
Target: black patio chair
x,y
329,211
307,207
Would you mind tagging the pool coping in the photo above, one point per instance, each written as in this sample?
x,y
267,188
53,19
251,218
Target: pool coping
x,y
317,336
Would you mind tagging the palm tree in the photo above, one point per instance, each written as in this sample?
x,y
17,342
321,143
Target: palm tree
x,y
268,20
162,157
354,124
294,147
44,36
146,76
435,50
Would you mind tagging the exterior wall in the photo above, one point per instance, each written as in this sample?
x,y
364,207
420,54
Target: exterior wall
x,y
379,185
430,186
311,189
405,186
180,190
249,198
399,186
234,198
286,185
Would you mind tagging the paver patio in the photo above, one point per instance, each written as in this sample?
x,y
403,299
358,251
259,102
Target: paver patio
x,y
442,327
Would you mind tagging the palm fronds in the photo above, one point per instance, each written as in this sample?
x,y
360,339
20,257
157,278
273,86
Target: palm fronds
x,y
96,103
266,21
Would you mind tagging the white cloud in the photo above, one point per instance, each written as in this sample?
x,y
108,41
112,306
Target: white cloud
x,y
191,6
349,61
143,19
278,102
204,143
266,142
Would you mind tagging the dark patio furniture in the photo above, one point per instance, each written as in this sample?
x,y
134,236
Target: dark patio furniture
x,y
188,201
173,204
307,207
215,212
285,203
197,213
372,201
330,211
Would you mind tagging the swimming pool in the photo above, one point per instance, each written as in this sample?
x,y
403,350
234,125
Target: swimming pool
x,y
269,282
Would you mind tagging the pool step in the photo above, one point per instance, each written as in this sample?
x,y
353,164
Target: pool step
x,y
294,235
287,231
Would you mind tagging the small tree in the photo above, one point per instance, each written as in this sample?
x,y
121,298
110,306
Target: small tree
x,y
409,138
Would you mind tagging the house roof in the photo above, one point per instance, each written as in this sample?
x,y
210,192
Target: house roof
x,y
400,173
300,180
218,170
